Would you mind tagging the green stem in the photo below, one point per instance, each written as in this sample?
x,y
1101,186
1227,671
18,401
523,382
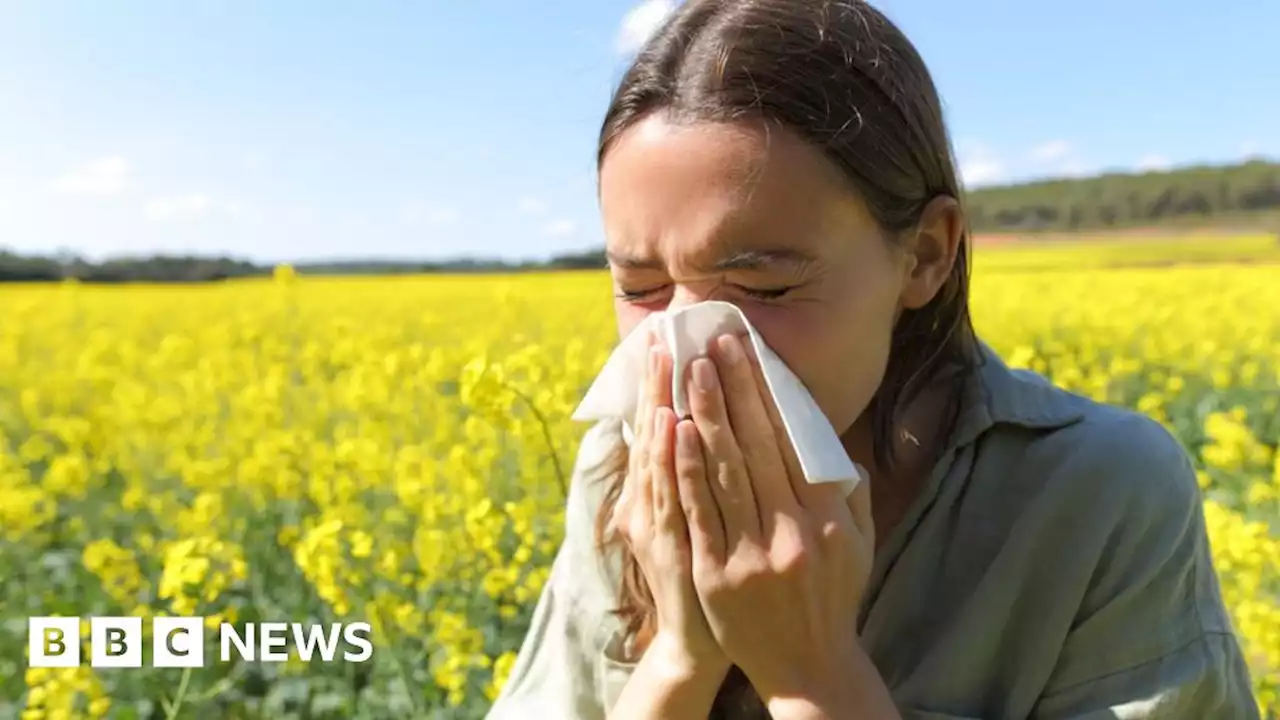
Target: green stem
x,y
546,436
546,431
223,685
181,696
398,662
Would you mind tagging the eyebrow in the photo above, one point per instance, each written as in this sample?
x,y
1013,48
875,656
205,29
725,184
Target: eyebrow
x,y
755,259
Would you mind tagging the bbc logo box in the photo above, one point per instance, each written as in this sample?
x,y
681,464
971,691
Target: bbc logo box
x,y
177,642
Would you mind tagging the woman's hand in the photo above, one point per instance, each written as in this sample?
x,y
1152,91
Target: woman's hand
x,y
682,666
779,565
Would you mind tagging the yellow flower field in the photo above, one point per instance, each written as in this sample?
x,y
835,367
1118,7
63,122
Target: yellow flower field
x,y
395,450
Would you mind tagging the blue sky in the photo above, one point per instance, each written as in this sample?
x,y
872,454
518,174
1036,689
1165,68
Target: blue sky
x,y
290,130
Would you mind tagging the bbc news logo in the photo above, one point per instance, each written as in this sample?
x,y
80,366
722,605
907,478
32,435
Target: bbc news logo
x,y
179,642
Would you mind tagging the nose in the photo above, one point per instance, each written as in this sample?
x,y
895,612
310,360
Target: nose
x,y
683,296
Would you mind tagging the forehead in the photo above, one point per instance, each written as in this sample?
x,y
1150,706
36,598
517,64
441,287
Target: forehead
x,y
707,192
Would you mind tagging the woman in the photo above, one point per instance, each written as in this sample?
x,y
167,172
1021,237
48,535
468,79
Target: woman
x,y
1018,552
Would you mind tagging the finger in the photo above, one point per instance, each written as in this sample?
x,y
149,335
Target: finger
x,y
795,474
644,410
725,468
642,512
633,512
647,406
659,397
706,527
660,388
637,453
662,473
754,432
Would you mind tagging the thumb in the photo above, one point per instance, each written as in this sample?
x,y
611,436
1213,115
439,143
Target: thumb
x,y
859,502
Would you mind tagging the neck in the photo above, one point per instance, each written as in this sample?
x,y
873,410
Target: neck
x,y
917,440
859,443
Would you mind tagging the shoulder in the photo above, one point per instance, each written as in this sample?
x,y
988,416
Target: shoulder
x,y
598,442
1149,624
1120,465
561,669
599,450
1109,494
1114,500
593,570
1115,510
1126,490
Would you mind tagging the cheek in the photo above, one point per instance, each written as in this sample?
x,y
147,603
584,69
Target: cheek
x,y
628,317
838,349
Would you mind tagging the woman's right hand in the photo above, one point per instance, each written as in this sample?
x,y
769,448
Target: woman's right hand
x,y
649,516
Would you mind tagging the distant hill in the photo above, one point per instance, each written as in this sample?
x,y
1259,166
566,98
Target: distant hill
x,y
1243,195
1230,194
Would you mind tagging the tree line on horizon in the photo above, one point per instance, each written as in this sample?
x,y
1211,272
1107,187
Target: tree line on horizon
x,y
1245,194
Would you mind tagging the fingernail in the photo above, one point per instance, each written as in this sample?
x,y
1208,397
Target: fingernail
x,y
704,375
730,348
653,358
684,444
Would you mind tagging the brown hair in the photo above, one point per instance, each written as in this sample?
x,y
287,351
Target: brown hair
x,y
844,78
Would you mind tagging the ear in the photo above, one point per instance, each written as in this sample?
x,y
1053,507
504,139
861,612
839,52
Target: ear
x,y
931,251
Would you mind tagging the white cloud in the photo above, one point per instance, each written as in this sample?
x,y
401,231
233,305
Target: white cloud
x,y
1054,151
531,206
188,207
979,165
981,171
104,176
560,229
178,207
1058,158
1153,161
640,23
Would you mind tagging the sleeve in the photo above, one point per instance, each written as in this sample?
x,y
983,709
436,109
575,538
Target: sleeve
x,y
1152,639
558,672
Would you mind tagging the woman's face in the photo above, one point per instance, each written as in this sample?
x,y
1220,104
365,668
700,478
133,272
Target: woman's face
x,y
755,217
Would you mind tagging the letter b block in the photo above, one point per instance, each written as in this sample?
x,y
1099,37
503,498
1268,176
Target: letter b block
x,y
53,641
115,642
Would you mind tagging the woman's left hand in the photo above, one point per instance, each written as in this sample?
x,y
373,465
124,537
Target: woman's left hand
x,y
779,564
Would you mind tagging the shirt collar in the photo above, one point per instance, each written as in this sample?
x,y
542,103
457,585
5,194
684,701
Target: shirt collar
x,y
996,394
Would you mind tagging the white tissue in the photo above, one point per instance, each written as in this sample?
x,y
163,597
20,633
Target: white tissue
x,y
687,333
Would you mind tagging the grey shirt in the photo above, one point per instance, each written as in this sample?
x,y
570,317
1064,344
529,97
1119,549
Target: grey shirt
x,y
1054,566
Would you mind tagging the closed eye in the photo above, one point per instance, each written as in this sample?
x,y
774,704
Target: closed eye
x,y
767,293
756,293
637,295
